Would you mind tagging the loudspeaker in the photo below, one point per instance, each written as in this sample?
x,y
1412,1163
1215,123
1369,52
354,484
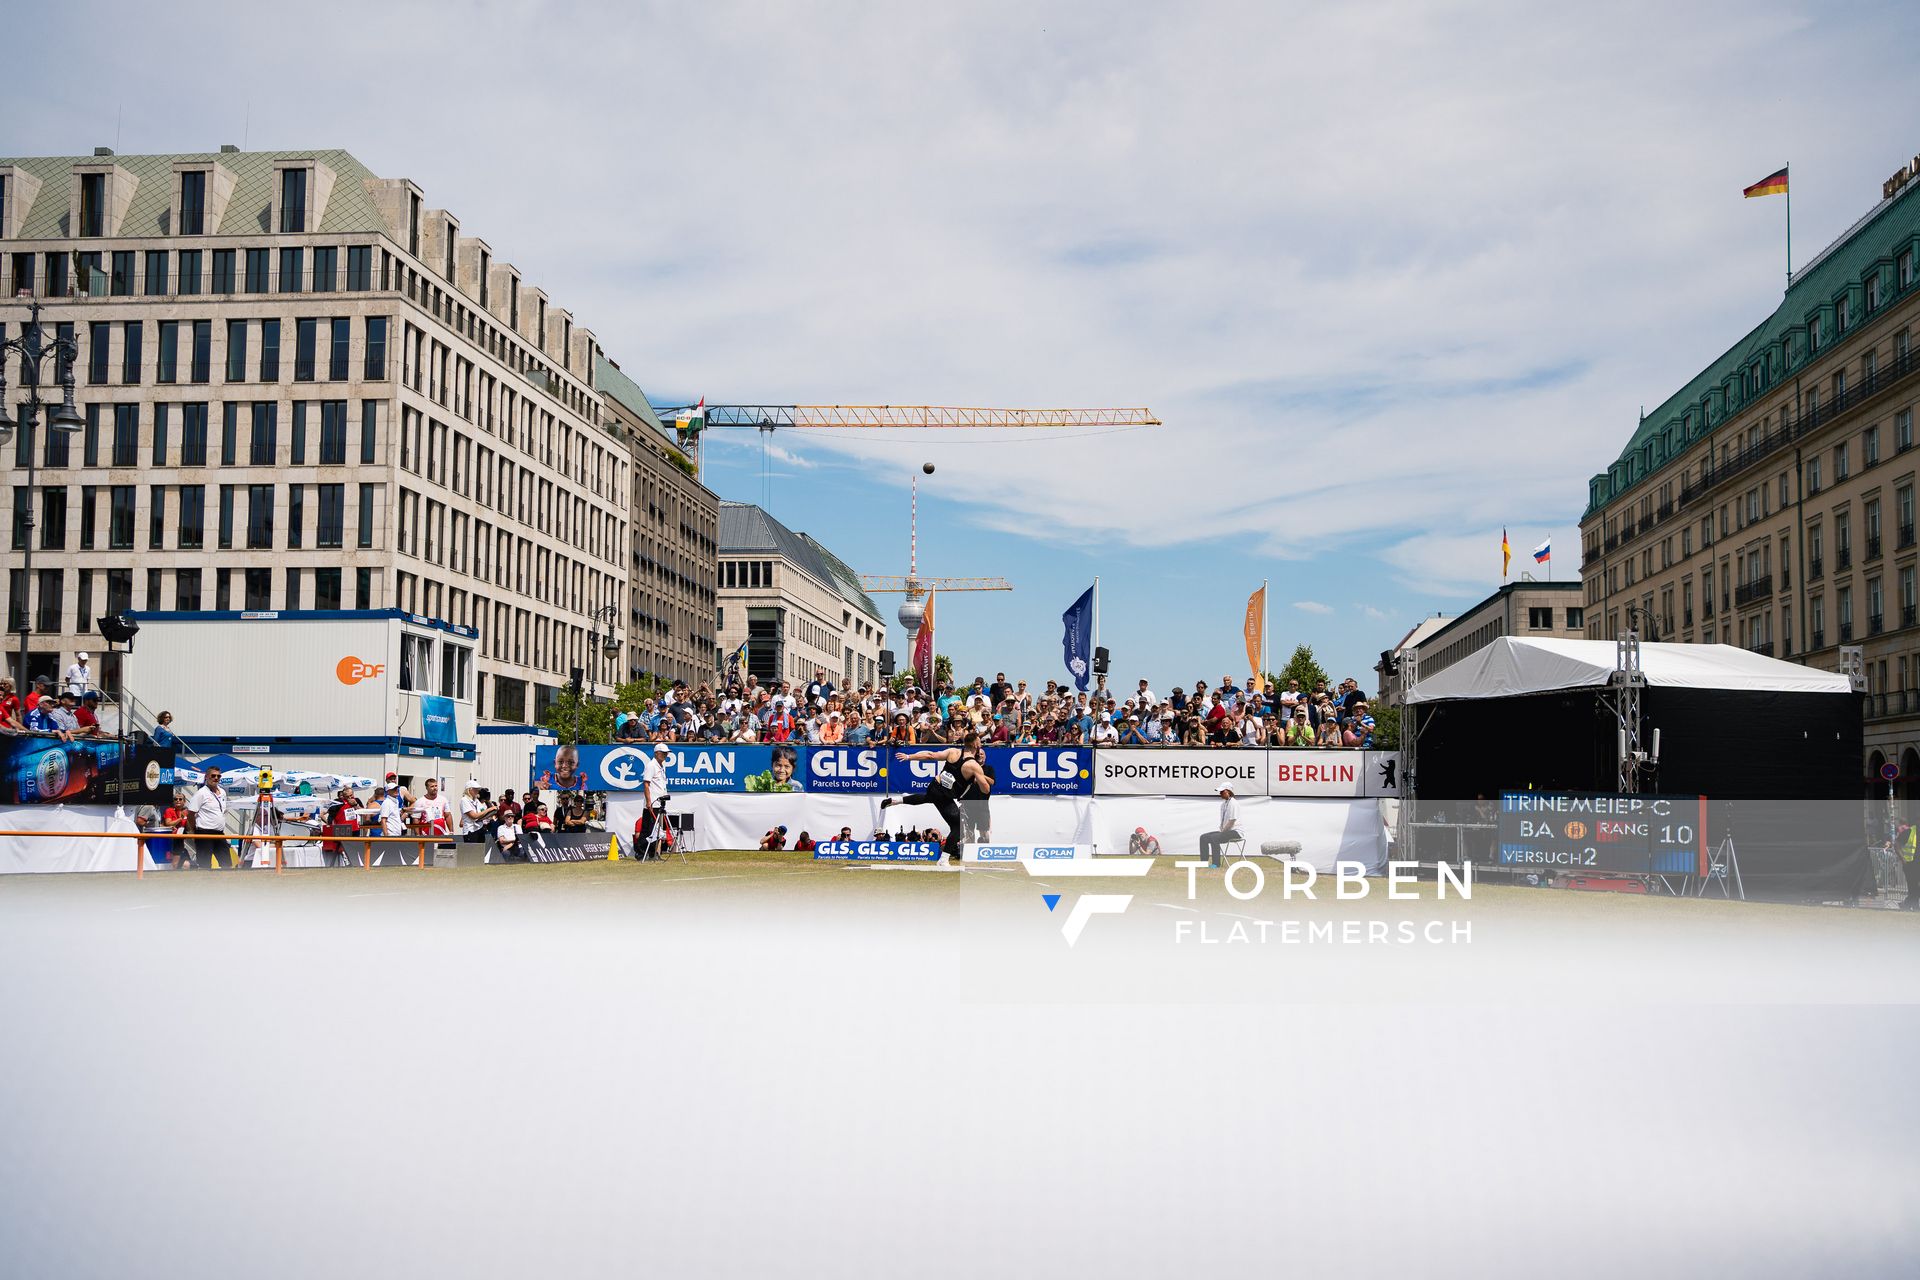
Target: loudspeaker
x,y
886,663
575,682
1099,660
117,628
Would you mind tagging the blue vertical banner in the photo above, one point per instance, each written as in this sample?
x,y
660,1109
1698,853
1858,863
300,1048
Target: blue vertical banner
x,y
1076,640
437,719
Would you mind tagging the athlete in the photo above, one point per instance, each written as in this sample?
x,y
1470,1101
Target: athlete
x,y
958,765
973,794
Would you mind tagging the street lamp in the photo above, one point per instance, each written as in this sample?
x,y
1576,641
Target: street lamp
x,y
34,351
608,645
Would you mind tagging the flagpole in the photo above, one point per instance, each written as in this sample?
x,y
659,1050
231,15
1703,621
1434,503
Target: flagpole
x,y
1096,615
1789,195
1263,632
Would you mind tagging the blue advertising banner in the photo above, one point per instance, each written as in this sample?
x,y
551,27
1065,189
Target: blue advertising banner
x,y
1017,771
436,719
36,769
845,770
690,767
877,851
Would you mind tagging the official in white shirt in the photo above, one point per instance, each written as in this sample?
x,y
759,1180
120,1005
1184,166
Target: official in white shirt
x,y
208,809
653,794
79,676
1213,842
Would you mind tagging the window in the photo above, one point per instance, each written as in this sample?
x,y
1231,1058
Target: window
x,y
226,517
292,269
359,268
333,433
260,517
193,203
57,274
296,516
259,587
223,270
156,520
122,273
369,430
1576,618
1903,430
416,662
264,442
332,516
126,435
161,411
223,589
363,588
119,590
52,606
269,351
120,500
133,335
237,350
155,285
259,271
99,341
456,670
89,495
90,441
229,434
193,515
193,435
189,271
376,358
167,364
366,515
23,273
202,370
1540,619
93,281
1870,447
342,338
186,590
326,269
1840,468
93,204
293,200
53,520
326,588
305,341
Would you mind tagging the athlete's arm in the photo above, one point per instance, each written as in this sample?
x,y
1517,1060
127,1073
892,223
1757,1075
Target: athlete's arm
x,y
972,769
942,756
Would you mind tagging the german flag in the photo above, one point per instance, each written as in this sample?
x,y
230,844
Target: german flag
x,y
1774,184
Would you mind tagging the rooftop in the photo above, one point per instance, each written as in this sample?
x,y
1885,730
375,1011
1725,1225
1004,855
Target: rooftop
x,y
349,210
1832,286
747,530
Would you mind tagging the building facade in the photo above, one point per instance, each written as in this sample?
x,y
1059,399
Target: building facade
x,y
795,606
1769,503
306,389
673,577
1523,608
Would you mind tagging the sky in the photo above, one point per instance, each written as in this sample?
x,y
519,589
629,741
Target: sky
x,y
1394,276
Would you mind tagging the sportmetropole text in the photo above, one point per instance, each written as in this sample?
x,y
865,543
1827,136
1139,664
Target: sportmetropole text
x,y
1246,880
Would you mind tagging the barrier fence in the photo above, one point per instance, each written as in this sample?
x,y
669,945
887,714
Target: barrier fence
x,y
240,842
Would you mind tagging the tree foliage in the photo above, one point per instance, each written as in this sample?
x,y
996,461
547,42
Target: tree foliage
x,y
596,714
1302,667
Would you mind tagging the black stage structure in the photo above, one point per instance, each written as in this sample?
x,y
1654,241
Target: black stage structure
x,y
1774,746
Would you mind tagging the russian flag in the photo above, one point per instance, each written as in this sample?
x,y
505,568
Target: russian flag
x,y
1543,552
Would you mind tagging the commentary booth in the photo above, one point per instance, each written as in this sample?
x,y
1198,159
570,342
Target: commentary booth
x,y
1762,751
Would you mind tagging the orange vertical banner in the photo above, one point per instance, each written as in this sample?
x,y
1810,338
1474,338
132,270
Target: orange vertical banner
x,y
1256,634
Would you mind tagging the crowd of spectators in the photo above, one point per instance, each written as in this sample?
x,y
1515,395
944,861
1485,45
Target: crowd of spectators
x,y
1006,713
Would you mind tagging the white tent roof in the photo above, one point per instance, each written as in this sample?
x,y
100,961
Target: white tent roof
x,y
1511,666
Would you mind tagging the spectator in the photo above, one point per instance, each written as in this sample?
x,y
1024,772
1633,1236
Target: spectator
x,y
11,712
804,844
509,809
36,691
85,717
506,837
1212,842
342,819
775,839
475,813
432,813
79,677
162,735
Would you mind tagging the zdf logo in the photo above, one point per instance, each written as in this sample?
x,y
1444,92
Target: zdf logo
x,y
352,670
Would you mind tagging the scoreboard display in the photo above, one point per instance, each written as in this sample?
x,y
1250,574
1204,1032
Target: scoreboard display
x,y
1588,831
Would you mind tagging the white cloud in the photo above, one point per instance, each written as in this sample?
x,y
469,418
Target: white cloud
x,y
1378,294
1371,612
1312,606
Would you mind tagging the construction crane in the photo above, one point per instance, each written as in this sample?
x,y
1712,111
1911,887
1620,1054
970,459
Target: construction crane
x,y
690,421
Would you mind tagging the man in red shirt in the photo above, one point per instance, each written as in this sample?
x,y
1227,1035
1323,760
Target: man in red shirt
x,y
10,709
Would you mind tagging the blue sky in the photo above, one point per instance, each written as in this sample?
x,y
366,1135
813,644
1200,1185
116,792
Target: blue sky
x,y
1394,274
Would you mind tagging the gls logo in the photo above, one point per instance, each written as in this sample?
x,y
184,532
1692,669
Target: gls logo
x,y
852,764
1045,766
352,670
